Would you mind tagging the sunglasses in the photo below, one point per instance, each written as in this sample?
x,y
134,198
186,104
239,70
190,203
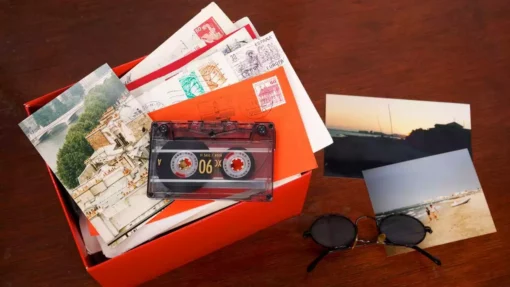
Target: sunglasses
x,y
337,232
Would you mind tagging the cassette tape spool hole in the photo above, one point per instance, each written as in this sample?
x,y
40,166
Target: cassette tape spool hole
x,y
182,164
162,128
262,130
237,164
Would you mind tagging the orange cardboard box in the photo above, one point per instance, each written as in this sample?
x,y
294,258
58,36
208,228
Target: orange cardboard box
x,y
226,226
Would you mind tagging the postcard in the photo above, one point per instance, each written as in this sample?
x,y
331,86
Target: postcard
x,y
442,191
95,138
372,132
206,27
267,97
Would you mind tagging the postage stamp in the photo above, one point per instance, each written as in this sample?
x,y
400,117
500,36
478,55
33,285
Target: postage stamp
x,y
268,93
191,85
268,53
250,65
213,76
256,57
209,31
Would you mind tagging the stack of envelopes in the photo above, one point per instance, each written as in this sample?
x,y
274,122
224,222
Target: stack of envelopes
x,y
95,135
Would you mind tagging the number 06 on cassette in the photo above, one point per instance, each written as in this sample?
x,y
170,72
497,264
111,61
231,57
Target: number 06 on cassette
x,y
211,160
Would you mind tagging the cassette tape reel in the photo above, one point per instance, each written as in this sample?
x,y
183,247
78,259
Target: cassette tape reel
x,y
211,160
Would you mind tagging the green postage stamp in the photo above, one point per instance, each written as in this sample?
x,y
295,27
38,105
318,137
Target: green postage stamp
x,y
191,85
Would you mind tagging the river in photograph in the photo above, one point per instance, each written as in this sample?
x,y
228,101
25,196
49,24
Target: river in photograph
x,y
48,147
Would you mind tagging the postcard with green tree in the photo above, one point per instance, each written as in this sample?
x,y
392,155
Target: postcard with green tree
x,y
95,138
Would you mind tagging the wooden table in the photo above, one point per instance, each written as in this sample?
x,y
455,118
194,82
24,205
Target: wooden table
x,y
452,51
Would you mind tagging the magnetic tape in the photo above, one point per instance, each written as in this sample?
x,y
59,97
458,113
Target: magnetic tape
x,y
211,160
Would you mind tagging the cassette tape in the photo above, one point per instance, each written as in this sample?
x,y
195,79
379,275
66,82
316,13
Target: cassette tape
x,y
211,160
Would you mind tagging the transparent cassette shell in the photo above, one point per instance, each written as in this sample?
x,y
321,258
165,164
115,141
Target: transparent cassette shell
x,y
212,160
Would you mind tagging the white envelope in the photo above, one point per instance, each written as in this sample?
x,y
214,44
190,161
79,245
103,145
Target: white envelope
x,y
211,23
246,21
230,43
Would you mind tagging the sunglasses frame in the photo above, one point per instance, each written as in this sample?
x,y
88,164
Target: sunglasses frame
x,y
381,238
308,233
388,242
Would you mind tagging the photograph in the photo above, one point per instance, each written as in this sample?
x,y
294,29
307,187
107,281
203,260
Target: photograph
x,y
442,191
371,132
95,138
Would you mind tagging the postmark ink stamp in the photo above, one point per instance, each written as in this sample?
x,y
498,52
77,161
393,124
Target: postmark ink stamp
x,y
152,106
234,46
216,110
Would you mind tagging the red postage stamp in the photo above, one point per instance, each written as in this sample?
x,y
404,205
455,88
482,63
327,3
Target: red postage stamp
x,y
209,31
269,94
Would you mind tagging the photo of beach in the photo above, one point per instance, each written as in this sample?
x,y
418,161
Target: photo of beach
x,y
372,132
442,191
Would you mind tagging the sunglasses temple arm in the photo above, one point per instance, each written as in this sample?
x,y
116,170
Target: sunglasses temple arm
x,y
316,261
428,255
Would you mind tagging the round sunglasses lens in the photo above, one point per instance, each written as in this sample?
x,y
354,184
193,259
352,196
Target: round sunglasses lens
x,y
333,231
402,230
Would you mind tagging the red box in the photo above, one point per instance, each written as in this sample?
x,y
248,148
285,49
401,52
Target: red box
x,y
222,228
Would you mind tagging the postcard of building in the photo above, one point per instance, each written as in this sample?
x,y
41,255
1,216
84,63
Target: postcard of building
x,y
95,138
442,191
372,132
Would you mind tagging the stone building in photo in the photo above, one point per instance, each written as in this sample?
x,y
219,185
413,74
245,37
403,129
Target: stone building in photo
x,y
112,190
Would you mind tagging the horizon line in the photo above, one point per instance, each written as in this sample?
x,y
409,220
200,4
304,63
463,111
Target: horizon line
x,y
375,130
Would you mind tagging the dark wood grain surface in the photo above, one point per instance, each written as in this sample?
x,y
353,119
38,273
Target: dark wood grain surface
x,y
453,51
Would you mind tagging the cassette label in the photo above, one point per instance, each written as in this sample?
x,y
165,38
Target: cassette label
x,y
212,160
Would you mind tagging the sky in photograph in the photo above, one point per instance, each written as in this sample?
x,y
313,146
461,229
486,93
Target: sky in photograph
x,y
412,182
371,114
